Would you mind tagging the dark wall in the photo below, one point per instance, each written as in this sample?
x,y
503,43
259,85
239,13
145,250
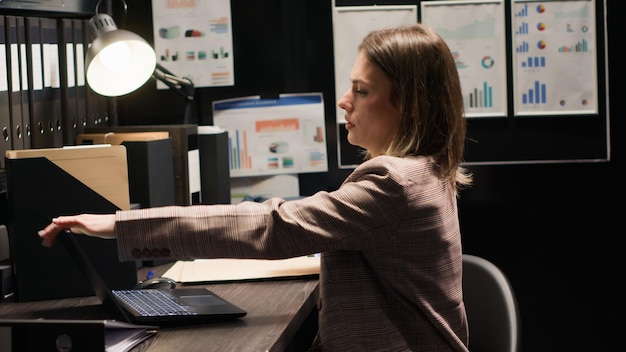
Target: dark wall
x,y
553,229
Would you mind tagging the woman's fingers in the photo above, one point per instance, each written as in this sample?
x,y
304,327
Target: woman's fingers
x,y
49,234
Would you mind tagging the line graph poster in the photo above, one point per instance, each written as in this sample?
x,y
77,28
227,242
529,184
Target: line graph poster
x,y
286,135
475,33
555,57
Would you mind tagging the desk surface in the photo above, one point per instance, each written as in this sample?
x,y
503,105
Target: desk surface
x,y
276,311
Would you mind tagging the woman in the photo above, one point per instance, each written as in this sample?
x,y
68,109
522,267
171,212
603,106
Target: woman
x,y
390,276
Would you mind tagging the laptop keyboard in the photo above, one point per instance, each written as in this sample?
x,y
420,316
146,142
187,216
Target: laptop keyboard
x,y
152,302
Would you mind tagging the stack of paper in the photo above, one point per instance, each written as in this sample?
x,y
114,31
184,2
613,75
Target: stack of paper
x,y
216,270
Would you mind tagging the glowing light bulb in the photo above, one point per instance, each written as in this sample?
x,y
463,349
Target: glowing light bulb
x,y
116,56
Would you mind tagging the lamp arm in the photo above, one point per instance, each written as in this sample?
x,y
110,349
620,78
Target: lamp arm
x,y
181,85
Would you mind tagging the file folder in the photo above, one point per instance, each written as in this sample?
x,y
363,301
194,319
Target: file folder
x,y
45,183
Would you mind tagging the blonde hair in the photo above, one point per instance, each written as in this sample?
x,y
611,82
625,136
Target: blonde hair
x,y
427,89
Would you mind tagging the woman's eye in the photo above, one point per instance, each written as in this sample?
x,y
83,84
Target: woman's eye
x,y
360,92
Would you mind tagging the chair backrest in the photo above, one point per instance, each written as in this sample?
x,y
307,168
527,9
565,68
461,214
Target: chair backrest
x,y
491,305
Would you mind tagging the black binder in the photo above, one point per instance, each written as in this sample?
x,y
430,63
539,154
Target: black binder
x,y
151,175
69,117
81,90
40,133
25,132
5,121
38,189
52,80
14,76
18,82
97,109
214,165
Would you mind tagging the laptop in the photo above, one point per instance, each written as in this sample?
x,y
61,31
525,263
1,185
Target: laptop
x,y
160,306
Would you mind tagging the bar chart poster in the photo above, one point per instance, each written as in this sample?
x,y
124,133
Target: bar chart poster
x,y
555,58
194,39
285,135
475,33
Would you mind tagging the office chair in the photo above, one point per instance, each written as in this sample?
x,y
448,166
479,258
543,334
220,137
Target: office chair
x,y
491,305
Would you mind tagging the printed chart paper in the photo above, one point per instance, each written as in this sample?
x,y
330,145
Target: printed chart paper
x,y
555,58
286,135
475,33
194,39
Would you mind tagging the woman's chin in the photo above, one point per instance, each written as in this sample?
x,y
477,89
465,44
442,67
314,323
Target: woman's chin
x,y
353,141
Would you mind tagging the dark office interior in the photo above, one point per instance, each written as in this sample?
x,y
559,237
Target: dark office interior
x,y
550,225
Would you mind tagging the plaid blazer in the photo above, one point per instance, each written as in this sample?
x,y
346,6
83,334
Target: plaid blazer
x,y
390,244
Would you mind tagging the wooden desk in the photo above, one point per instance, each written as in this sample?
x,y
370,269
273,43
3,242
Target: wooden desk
x,y
277,312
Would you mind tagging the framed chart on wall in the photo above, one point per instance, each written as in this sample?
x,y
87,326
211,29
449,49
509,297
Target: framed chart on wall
x,y
474,32
533,75
554,58
554,77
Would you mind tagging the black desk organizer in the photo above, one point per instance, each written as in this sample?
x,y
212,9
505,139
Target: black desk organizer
x,y
38,190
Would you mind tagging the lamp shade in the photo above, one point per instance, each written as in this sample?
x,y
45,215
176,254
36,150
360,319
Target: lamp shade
x,y
117,61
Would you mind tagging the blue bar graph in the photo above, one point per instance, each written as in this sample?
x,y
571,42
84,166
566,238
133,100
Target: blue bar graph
x,y
239,157
536,95
488,96
534,61
522,48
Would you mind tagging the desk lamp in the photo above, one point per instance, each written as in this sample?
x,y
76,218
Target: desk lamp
x,y
118,62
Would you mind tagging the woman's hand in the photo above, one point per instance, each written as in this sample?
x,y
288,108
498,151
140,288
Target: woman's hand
x,y
96,225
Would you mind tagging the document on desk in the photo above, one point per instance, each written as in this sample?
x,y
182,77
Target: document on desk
x,y
226,270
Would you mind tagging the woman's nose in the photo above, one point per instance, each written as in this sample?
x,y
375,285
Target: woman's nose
x,y
344,102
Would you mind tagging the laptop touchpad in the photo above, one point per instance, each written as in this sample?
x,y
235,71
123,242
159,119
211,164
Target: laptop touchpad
x,y
201,300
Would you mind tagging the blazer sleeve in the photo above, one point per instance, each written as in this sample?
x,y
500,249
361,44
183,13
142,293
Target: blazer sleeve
x,y
364,211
